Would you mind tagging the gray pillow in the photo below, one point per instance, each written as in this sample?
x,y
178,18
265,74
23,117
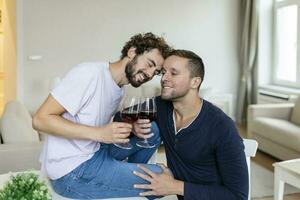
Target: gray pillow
x,y
16,124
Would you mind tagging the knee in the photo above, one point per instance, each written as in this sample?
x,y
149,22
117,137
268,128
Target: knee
x,y
154,168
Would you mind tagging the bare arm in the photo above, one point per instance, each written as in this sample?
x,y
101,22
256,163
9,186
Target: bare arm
x,y
48,119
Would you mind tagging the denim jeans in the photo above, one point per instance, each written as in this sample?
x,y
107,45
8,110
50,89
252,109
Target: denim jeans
x,y
106,174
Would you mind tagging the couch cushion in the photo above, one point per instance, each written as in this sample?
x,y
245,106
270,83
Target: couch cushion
x,y
16,124
296,113
279,131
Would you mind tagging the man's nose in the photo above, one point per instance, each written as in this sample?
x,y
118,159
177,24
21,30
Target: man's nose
x,y
150,72
164,77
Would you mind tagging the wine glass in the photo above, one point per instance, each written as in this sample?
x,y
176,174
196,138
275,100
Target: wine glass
x,y
129,114
147,111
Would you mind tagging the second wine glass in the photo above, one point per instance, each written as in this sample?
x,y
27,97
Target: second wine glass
x,y
147,111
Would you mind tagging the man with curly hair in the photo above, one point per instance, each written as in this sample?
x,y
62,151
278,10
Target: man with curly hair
x,y
78,155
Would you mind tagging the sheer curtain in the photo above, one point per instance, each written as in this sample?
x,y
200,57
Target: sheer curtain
x,y
248,58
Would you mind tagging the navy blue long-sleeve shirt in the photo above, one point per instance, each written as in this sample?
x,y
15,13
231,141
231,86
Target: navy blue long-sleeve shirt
x,y
208,155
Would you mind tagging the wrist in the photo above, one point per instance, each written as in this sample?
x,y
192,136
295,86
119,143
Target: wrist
x,y
96,134
179,187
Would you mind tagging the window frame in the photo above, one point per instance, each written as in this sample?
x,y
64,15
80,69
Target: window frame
x,y
275,81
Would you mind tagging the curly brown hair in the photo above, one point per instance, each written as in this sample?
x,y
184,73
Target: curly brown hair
x,y
144,42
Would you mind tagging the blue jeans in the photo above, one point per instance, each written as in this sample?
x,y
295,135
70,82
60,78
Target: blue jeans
x,y
106,175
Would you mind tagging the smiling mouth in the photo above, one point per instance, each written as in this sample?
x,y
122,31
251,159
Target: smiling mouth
x,y
166,87
141,77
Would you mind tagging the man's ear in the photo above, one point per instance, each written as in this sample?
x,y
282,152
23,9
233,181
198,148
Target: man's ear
x,y
195,82
131,53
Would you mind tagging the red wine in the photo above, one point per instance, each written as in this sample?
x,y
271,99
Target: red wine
x,y
129,117
151,115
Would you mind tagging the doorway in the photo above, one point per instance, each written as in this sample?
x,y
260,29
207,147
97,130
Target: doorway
x,y
8,52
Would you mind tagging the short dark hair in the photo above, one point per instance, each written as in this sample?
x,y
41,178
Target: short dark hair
x,y
144,42
195,63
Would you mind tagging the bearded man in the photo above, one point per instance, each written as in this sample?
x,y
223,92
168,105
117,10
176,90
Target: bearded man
x,y
78,155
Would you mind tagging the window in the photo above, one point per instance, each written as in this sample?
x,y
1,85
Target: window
x,y
286,57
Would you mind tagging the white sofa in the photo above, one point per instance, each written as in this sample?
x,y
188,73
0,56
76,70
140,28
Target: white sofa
x,y
276,128
21,145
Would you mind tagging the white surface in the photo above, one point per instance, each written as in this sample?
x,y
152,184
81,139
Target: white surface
x,y
286,172
262,182
250,151
209,28
223,101
35,57
5,177
250,147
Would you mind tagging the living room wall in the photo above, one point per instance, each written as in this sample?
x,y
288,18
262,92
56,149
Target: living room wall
x,y
9,53
66,32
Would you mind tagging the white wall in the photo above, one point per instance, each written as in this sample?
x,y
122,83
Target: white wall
x,y
66,32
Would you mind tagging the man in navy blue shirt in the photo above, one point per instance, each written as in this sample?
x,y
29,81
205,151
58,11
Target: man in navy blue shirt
x,y
204,151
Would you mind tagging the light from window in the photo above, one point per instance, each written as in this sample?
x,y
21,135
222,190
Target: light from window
x,y
287,43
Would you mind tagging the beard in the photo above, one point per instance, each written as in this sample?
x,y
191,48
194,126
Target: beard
x,y
130,73
173,95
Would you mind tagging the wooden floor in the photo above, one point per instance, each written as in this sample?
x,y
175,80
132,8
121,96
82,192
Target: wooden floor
x,y
266,161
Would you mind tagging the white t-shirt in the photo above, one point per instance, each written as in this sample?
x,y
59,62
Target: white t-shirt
x,y
91,97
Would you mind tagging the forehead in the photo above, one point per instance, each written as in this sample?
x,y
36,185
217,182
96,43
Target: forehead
x,y
155,56
175,63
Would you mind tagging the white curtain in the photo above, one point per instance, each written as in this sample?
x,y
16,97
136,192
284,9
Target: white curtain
x,y
248,58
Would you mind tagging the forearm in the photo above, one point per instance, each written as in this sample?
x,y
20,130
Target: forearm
x,y
58,126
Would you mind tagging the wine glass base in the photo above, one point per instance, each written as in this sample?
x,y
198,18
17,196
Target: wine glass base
x,y
145,144
124,145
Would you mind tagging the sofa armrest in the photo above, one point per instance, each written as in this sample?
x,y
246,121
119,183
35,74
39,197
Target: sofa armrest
x,y
20,156
280,111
